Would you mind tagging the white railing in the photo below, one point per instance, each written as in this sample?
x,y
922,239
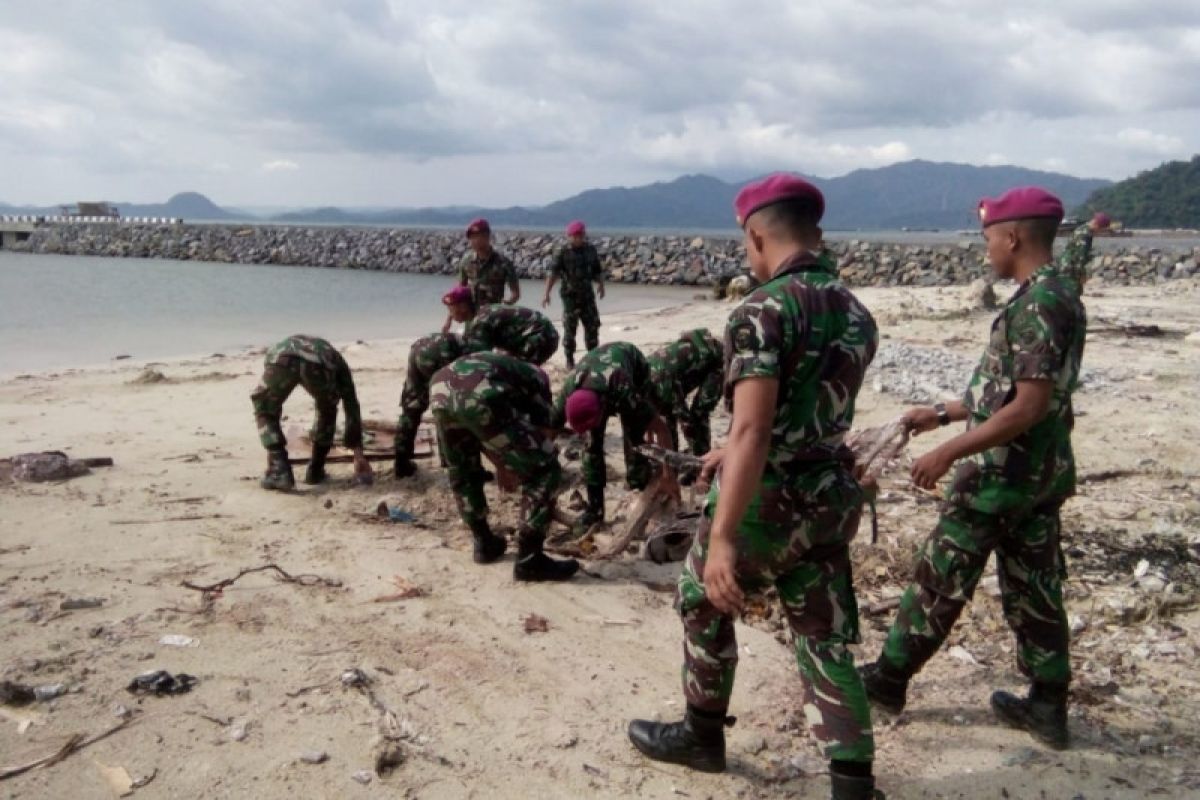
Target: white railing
x,y
62,219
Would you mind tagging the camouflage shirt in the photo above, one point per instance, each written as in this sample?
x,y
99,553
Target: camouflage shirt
x,y
807,330
318,351
692,362
616,371
577,268
430,353
1075,257
487,278
523,332
494,380
1038,335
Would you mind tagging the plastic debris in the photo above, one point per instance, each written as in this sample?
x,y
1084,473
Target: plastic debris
x,y
49,691
160,682
362,776
394,513
178,640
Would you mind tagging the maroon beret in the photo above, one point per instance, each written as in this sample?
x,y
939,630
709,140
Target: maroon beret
x,y
1025,202
576,228
1102,220
478,226
459,294
775,189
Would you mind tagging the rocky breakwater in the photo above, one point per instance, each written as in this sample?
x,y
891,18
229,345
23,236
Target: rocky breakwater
x,y
678,260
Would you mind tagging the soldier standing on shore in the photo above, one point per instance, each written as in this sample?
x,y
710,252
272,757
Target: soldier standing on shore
x,y
1013,468
519,331
497,405
1075,257
611,380
577,265
314,364
692,363
784,505
485,270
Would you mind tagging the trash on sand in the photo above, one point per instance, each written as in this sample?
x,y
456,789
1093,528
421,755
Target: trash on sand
x,y
355,677
48,466
77,603
535,623
24,719
404,591
74,744
961,653
239,730
49,691
388,756
16,694
394,513
362,776
117,778
178,640
314,756
160,682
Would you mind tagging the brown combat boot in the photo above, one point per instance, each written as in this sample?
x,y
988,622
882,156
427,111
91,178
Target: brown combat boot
x,y
697,741
278,477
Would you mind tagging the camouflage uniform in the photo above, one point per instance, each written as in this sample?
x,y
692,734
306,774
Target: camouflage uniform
x,y
578,268
314,364
1074,259
808,331
1007,499
498,404
618,372
692,363
487,278
426,356
527,334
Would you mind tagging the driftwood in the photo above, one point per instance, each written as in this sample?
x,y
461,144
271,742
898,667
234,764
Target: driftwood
x,y
875,448
652,502
74,744
210,592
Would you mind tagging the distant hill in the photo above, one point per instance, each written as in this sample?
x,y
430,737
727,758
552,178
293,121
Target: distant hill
x,y
1167,196
918,194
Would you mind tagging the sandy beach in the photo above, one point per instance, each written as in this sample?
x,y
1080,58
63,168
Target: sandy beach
x,y
481,707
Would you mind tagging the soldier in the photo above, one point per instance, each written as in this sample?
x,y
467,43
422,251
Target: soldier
x,y
785,504
1013,468
1075,257
314,364
500,406
520,331
485,270
613,379
577,265
692,363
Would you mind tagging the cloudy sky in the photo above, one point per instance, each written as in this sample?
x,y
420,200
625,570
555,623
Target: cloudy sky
x,y
403,103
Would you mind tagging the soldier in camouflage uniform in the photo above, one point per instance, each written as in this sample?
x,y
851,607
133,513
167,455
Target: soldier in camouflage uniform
x,y
1075,257
785,504
519,331
577,265
692,363
500,406
612,380
485,270
1013,468
314,364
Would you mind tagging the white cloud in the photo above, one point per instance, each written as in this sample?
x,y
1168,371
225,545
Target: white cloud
x,y
280,165
1147,141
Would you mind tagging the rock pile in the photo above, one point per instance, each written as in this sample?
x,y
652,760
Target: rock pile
x,y
628,259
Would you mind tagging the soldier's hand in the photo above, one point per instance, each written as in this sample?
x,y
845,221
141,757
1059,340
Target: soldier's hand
x,y
546,301
929,468
600,291
712,462
920,419
363,474
720,577
446,326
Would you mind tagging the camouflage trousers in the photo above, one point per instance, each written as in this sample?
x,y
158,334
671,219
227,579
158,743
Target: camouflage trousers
x,y
697,433
575,310
795,537
638,468
466,429
1030,564
276,385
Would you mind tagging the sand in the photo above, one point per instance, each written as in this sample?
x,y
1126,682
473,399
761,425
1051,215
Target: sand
x,y
483,708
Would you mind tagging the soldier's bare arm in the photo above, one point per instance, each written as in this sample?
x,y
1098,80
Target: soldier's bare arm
x,y
754,402
925,418
1027,408
712,462
514,285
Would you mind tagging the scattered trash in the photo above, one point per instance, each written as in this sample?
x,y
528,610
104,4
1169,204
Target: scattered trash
x,y
314,756
394,513
404,591
122,711
160,682
48,466
362,776
354,678
805,764
117,778
178,640
239,730
536,624
49,691
77,603
74,744
596,771
388,757
961,653
16,694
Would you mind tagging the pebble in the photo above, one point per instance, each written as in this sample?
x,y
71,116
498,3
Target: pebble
x,y
314,757
363,776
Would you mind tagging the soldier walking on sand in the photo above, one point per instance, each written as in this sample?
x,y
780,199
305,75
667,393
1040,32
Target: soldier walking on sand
x,y
485,270
784,505
578,266
499,406
692,363
1013,468
314,364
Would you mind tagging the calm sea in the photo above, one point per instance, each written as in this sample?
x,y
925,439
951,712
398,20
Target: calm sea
x,y
69,311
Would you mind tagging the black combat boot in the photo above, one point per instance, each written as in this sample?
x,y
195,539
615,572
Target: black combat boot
x,y
316,466
404,467
852,780
887,687
534,565
488,546
698,741
279,472
594,513
570,359
1043,714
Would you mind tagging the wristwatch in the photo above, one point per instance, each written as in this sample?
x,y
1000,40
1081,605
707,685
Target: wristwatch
x,y
943,414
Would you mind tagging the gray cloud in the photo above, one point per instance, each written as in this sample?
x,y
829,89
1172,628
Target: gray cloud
x,y
521,101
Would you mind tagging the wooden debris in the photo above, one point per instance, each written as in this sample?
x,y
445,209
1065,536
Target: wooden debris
x,y
875,448
535,623
73,744
405,591
209,593
654,501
